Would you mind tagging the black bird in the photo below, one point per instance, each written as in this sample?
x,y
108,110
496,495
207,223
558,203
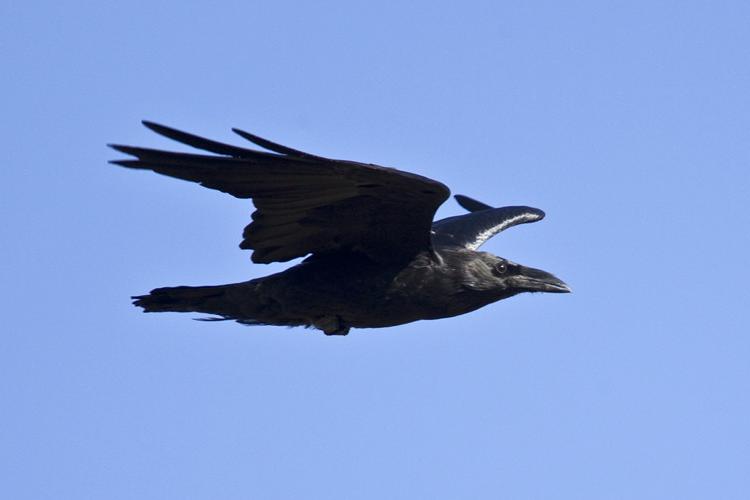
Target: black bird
x,y
374,258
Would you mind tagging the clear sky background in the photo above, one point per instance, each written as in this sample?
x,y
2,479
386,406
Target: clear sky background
x,y
628,122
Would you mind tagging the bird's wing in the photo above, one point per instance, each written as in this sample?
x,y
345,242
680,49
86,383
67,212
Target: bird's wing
x,y
305,203
473,229
470,204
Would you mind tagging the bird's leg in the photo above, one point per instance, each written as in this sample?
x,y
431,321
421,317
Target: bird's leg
x,y
331,325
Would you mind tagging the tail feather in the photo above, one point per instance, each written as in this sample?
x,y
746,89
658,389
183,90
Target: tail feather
x,y
237,301
204,299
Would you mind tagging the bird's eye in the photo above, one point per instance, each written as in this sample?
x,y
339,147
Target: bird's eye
x,y
500,268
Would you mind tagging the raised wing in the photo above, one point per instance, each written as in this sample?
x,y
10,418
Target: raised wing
x,y
305,203
473,229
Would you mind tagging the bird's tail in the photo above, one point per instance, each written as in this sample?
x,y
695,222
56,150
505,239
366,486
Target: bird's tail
x,y
203,299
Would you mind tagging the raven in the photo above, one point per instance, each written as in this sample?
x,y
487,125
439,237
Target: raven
x,y
374,256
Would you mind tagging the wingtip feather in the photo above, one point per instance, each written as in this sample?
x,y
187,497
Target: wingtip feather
x,y
273,146
160,129
471,204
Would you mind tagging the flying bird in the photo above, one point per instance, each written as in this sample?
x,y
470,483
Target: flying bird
x,y
373,255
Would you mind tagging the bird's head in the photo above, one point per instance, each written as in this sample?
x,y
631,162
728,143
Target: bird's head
x,y
503,278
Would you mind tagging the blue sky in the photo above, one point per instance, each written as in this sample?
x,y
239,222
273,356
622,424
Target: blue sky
x,y
627,122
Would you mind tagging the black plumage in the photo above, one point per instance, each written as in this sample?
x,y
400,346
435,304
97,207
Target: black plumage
x,y
375,257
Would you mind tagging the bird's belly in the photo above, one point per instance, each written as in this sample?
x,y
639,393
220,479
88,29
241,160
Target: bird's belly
x,y
362,296
353,294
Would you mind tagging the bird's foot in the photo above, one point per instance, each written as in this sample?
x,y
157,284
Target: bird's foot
x,y
331,325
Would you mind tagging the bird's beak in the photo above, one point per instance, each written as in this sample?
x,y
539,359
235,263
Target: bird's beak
x,y
536,280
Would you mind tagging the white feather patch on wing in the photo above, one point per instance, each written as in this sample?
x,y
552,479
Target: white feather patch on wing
x,y
493,230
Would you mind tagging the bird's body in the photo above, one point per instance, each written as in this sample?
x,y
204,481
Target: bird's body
x,y
334,294
377,260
